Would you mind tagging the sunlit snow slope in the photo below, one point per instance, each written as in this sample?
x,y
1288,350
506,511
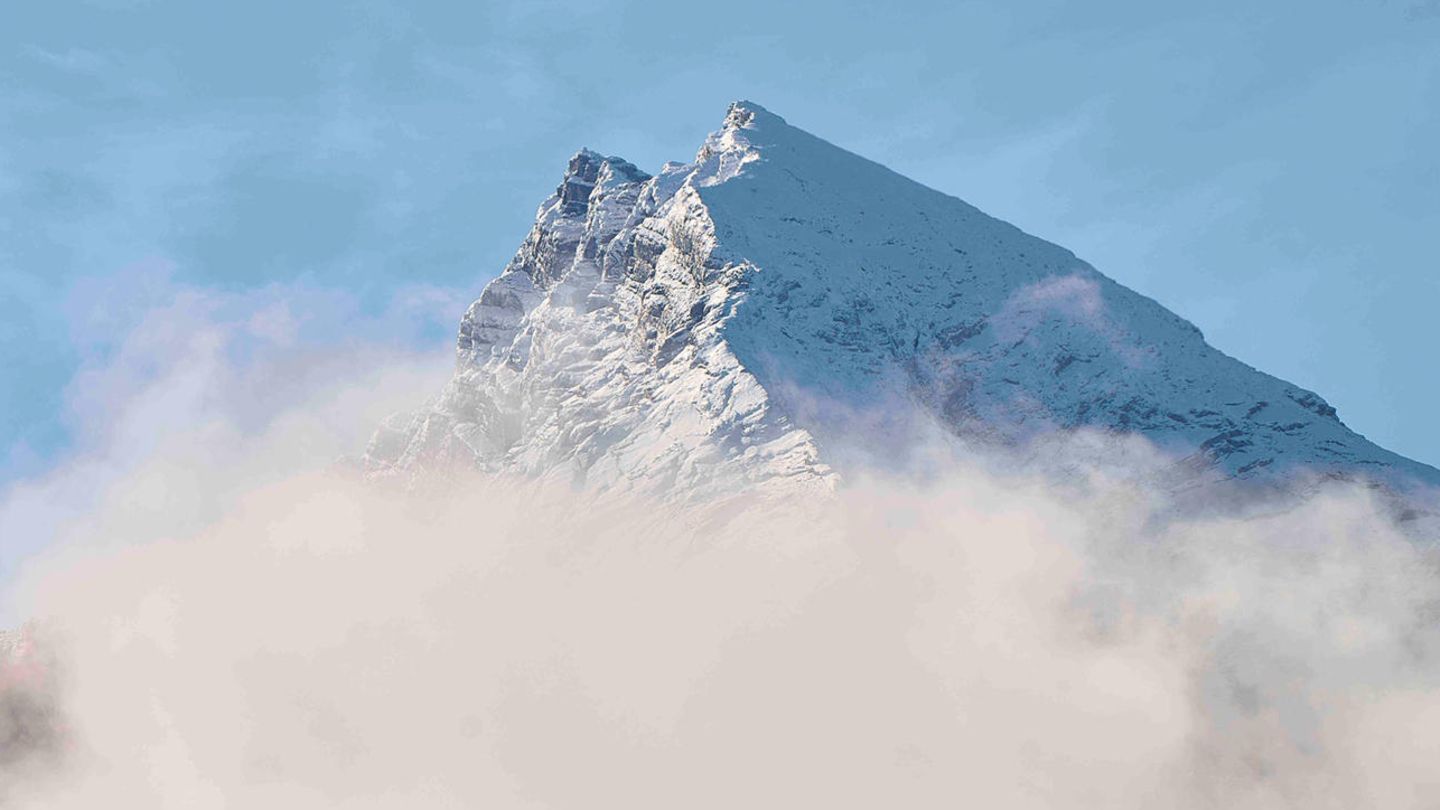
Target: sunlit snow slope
x,y
779,304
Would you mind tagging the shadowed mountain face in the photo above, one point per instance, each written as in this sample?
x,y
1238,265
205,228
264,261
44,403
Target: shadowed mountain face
x,y
780,307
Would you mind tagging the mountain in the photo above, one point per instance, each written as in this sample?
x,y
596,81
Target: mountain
x,y
780,307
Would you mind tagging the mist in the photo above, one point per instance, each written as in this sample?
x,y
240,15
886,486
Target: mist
x,y
224,616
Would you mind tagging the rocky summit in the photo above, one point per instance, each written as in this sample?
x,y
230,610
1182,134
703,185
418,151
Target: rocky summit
x,y
779,308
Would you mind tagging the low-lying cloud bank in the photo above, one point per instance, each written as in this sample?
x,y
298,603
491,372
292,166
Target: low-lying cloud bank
x,y
228,621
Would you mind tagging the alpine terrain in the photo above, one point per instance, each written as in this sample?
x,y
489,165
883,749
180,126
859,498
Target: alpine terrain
x,y
779,307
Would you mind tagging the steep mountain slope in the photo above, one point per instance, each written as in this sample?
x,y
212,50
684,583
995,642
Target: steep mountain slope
x,y
780,305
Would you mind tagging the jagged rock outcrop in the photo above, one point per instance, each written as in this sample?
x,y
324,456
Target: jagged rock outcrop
x,y
32,734
761,313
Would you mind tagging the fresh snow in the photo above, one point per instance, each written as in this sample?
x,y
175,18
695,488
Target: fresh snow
x,y
778,305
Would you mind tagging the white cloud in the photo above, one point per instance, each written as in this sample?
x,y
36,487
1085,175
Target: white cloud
x,y
187,390
1078,300
238,624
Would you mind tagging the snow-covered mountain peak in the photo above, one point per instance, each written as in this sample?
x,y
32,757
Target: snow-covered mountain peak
x,y
778,303
742,116
589,170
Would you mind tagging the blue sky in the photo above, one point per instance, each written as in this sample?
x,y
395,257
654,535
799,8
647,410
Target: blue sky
x,y
1269,171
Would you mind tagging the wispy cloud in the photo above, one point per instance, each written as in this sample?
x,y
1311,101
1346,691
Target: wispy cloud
x,y
171,366
237,621
1074,298
69,60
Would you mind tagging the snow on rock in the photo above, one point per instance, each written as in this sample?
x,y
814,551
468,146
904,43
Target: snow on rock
x,y
779,303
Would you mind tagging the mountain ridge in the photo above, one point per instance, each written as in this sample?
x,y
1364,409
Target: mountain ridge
x,y
737,319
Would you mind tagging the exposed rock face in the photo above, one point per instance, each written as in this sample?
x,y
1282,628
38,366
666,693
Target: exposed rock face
x,y
598,354
756,314
32,734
